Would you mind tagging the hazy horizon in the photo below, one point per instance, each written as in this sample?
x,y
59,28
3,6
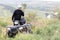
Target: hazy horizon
x,y
26,1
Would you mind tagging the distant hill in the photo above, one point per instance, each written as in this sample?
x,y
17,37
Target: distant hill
x,y
41,5
6,11
46,6
6,7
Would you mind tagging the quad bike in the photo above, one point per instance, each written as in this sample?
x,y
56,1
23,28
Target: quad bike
x,y
25,28
13,30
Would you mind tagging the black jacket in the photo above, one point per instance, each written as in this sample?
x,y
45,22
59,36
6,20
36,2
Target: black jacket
x,y
17,14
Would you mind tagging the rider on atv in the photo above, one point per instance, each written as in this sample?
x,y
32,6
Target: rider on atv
x,y
19,23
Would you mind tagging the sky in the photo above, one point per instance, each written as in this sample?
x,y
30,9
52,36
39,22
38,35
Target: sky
x,y
23,1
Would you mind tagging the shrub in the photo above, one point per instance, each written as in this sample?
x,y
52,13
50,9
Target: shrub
x,y
3,24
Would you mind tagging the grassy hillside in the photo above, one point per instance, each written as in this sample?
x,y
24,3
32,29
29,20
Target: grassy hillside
x,y
46,30
43,28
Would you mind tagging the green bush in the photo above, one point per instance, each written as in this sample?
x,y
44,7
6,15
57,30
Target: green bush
x,y
3,24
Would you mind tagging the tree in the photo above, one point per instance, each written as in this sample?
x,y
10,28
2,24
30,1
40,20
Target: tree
x,y
24,5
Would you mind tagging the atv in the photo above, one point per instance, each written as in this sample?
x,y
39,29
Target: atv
x,y
13,30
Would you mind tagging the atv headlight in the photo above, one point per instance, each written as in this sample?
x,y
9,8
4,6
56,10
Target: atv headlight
x,y
20,28
8,28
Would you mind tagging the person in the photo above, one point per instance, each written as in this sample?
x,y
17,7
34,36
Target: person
x,y
18,15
